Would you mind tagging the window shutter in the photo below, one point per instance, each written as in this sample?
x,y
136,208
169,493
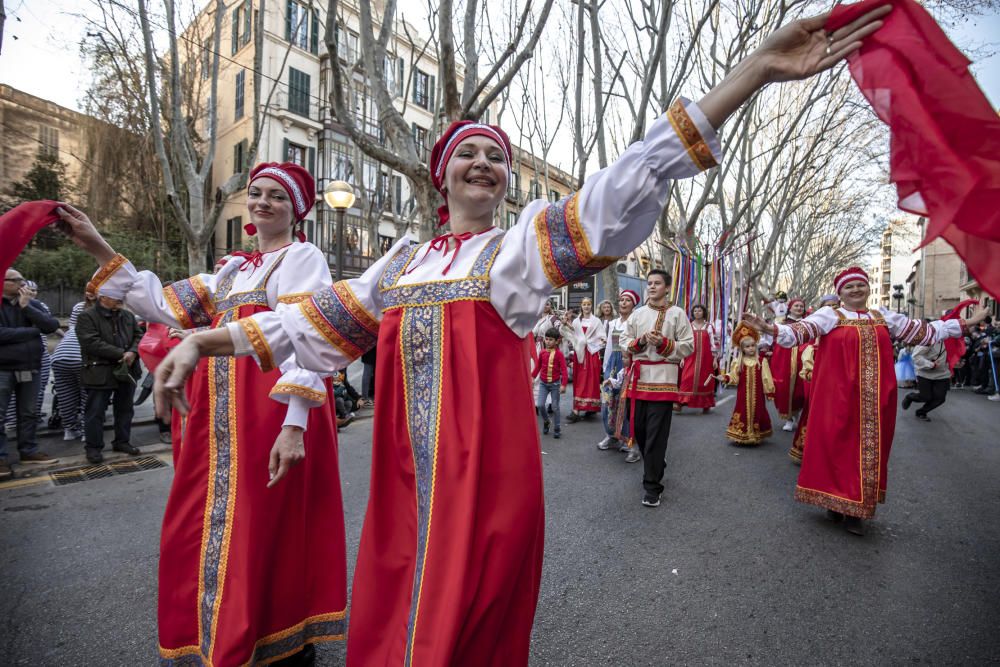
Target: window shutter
x,y
431,94
400,81
304,83
311,160
246,22
288,20
314,35
244,149
284,150
236,30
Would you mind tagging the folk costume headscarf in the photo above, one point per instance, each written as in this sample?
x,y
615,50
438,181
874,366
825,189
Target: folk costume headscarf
x,y
296,181
849,274
632,295
441,154
945,146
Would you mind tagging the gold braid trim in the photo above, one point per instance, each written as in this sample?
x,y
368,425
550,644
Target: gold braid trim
x,y
259,342
105,272
297,297
690,136
302,391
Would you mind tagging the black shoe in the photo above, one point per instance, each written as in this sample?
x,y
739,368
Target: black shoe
x,y
923,418
545,427
5,470
835,517
651,500
854,525
907,401
557,434
126,448
573,418
40,458
95,456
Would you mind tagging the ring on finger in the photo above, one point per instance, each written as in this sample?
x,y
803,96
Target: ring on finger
x,y
828,49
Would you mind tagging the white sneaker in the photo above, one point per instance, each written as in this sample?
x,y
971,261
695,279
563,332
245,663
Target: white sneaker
x,y
993,397
789,426
604,444
71,434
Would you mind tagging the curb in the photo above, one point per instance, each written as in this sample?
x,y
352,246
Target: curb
x,y
39,474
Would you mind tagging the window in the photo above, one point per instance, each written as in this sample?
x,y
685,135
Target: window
x,y
347,45
369,174
554,195
296,154
48,137
514,192
234,234
343,167
206,59
366,112
239,156
397,194
382,191
240,88
394,78
297,25
420,139
511,219
242,16
423,89
534,190
298,92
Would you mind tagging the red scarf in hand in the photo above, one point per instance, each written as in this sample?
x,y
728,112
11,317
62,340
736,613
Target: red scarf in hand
x,y
20,224
955,347
945,146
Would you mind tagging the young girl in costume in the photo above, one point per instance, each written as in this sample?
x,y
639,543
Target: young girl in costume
x,y
750,423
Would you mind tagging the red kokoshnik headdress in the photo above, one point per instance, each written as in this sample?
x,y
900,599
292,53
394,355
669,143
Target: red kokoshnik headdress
x,y
847,275
445,146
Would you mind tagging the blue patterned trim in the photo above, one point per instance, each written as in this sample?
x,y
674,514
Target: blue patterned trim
x,y
563,245
286,644
422,351
255,297
481,267
190,302
394,269
337,314
436,293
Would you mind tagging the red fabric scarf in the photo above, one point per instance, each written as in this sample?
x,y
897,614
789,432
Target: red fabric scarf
x,y
20,224
955,347
945,146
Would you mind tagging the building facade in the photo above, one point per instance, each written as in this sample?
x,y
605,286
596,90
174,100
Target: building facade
x,y
29,126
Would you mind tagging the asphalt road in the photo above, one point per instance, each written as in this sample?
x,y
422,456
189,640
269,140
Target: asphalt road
x,y
729,570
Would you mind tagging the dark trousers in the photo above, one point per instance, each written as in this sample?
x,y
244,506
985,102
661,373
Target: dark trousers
x,y
652,431
545,391
26,395
929,392
97,404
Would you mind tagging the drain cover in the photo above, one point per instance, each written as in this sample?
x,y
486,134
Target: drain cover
x,y
85,473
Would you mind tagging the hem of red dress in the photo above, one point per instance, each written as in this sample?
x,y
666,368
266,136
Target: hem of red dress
x,y
837,504
747,439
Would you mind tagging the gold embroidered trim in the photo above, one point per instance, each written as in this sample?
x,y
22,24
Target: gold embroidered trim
x,y
697,149
105,272
259,343
297,297
302,391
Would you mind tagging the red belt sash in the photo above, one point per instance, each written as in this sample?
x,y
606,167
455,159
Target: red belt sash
x,y
634,372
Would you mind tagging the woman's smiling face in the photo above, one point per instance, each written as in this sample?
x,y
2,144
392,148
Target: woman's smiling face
x,y
476,175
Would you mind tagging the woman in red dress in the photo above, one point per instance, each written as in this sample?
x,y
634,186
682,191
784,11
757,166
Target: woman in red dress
x,y
449,564
750,423
809,351
786,363
696,390
852,411
251,571
590,338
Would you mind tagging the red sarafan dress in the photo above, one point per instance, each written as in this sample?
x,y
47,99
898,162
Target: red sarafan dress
x,y
248,575
809,351
750,423
852,403
697,368
587,372
789,392
450,559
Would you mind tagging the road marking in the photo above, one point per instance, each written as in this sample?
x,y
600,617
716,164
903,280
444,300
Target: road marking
x,y
724,400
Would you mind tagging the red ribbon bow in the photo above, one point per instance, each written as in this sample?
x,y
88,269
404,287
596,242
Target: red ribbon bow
x,y
254,259
441,243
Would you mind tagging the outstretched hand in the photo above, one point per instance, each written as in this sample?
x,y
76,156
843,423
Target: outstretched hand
x,y
803,48
75,224
757,322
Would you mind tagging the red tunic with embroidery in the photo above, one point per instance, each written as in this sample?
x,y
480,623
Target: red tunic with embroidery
x,y
695,371
786,362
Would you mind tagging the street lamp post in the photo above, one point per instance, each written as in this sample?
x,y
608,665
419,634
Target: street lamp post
x,y
339,195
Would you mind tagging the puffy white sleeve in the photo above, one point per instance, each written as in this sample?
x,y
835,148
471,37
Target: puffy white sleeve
x,y
326,331
808,328
302,273
918,332
185,304
555,244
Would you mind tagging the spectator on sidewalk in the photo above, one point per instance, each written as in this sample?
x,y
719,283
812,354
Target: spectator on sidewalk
x,y
368,377
933,379
109,342
66,366
44,372
22,322
342,399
